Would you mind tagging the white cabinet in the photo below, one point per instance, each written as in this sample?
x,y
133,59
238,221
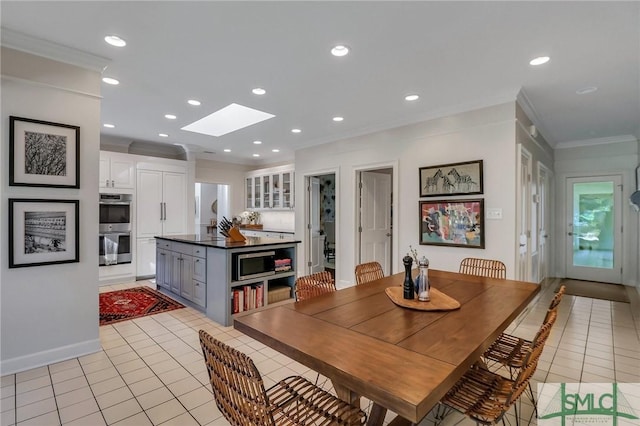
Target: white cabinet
x,y
270,189
162,203
116,171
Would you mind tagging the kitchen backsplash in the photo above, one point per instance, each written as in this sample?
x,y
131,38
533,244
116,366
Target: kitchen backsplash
x,y
278,220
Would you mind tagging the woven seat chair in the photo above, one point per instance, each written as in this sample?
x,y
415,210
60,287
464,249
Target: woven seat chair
x,y
314,285
240,394
483,267
485,396
366,272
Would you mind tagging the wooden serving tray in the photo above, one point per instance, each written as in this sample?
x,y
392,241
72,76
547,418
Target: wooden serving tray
x,y
439,301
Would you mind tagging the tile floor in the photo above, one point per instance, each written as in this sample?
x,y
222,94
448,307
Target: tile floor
x,y
151,372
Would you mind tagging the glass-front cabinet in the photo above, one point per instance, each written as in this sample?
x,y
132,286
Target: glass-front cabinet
x,y
270,189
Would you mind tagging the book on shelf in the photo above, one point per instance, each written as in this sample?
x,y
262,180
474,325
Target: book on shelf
x,y
247,297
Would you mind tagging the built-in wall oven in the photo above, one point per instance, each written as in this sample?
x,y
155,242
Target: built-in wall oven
x,y
115,229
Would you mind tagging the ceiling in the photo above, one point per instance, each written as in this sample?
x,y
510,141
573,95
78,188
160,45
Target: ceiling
x,y
456,55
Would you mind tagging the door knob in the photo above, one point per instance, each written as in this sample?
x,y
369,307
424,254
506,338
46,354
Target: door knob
x,y
388,234
569,233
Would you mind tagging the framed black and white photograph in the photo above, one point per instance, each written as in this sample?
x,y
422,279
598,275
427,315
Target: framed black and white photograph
x,y
451,179
43,232
42,153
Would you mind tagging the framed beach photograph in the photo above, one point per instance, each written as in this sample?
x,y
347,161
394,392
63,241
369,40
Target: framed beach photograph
x,y
42,153
451,179
456,223
43,232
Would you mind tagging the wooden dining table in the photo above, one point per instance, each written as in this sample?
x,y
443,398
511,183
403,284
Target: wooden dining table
x,y
403,360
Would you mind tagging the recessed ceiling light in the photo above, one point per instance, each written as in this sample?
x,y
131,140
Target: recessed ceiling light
x,y
256,155
257,142
228,119
170,116
259,91
585,90
275,150
539,60
296,131
109,126
110,80
413,97
163,135
193,102
226,150
338,118
116,41
339,50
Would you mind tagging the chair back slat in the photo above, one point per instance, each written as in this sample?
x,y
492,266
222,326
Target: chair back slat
x,y
314,285
366,272
237,386
483,267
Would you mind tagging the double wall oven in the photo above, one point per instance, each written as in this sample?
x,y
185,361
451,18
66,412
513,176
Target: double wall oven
x,y
115,229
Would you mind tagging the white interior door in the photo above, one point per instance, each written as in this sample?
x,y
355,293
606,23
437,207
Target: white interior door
x,y
316,249
524,216
594,232
375,218
544,218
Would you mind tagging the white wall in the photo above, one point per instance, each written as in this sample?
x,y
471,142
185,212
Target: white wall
x,y
487,134
612,158
225,173
50,313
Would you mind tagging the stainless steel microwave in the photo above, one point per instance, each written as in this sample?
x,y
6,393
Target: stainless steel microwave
x,y
253,265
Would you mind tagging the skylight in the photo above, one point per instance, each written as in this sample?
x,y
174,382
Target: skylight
x,y
228,119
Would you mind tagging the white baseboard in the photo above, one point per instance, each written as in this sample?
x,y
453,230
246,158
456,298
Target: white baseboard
x,y
51,356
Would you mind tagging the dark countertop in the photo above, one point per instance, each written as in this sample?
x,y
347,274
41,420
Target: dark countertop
x,y
277,231
222,243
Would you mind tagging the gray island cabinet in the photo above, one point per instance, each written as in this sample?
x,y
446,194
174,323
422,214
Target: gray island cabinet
x,y
202,269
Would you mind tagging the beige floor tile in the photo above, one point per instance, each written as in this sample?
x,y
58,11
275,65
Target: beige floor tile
x,y
95,357
74,397
125,357
64,365
34,373
8,403
49,419
76,411
130,366
184,386
35,395
121,411
35,383
70,385
64,375
94,419
108,385
146,385
8,418
207,413
7,391
102,375
101,364
196,398
36,409
165,411
139,419
185,419
8,380
114,397
173,375
155,397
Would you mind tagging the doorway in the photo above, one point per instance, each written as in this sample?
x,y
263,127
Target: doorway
x,y
375,215
211,203
594,233
322,223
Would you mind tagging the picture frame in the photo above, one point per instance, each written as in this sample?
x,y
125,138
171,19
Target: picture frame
x,y
43,153
451,179
43,232
454,223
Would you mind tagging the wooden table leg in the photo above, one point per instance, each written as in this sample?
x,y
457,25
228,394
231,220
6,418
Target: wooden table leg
x,y
376,417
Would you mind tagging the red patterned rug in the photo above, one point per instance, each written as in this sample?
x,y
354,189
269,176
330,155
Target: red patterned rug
x,y
122,305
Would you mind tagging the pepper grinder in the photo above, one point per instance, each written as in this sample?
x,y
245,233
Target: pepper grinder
x,y
407,287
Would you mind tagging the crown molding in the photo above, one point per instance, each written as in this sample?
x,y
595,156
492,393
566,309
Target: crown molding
x,y
525,103
596,141
50,50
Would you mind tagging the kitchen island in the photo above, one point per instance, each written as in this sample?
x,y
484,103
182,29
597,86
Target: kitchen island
x,y
202,269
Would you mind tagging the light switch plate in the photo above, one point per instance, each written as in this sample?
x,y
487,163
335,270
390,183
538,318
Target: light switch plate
x,y
493,214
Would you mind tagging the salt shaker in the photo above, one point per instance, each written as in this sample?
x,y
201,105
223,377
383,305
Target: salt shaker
x,y
423,280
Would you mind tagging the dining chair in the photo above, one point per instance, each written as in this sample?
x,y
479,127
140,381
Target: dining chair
x,y
313,285
483,267
330,240
241,397
366,272
485,396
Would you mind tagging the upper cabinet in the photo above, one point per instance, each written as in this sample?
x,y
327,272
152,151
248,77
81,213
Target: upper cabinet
x,y
270,189
117,171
